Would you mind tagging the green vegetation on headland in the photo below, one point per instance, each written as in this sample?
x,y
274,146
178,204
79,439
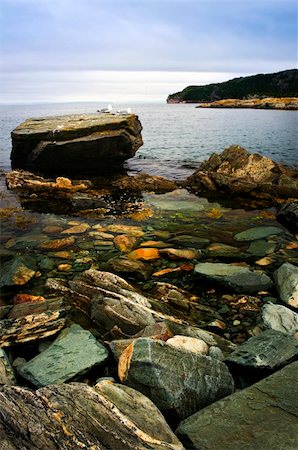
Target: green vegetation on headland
x,y
280,84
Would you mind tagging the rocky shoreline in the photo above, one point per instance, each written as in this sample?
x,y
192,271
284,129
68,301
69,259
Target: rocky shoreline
x,y
146,317
287,103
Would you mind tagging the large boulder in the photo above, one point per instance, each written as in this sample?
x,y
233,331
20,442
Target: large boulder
x,y
83,143
261,417
236,171
178,381
75,415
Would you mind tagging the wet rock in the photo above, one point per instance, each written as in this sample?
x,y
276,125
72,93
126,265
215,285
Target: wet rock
x,y
239,279
178,382
113,417
7,375
173,253
286,279
77,229
56,244
18,271
144,182
270,350
27,322
177,200
261,248
185,240
288,216
263,416
126,266
279,318
73,353
144,254
106,141
125,243
256,233
132,230
238,172
217,249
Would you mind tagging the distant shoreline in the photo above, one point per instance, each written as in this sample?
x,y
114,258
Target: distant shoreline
x,y
285,103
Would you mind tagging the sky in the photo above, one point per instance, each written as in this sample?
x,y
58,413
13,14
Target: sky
x,y
138,50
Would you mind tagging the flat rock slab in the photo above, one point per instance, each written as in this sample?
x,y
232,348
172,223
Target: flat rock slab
x,y
255,233
238,279
270,350
75,143
77,416
73,353
178,382
261,417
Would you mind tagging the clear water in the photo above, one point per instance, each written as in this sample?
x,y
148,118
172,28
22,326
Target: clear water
x,y
178,137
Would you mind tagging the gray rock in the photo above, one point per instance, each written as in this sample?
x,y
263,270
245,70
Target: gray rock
x,y
7,375
239,279
73,353
57,144
279,318
286,279
262,248
255,233
269,350
178,382
75,415
215,352
261,417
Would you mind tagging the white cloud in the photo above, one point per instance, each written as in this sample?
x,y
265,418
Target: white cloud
x,y
100,86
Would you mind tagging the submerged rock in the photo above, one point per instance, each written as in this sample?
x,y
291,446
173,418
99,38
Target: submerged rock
x,y
178,382
82,143
256,233
17,271
73,353
75,415
239,279
261,417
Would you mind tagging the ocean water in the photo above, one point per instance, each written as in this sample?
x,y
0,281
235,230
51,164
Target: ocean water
x,y
178,137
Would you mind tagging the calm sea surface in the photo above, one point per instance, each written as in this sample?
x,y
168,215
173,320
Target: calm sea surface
x,y
178,137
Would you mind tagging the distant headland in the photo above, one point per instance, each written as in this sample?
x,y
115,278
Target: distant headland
x,y
253,91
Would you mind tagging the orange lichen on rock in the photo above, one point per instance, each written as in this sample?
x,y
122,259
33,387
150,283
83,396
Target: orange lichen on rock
x,y
27,298
145,254
124,362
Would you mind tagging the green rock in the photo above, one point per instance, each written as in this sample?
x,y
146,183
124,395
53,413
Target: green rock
x,y
73,353
18,271
185,240
286,279
178,382
7,375
255,233
261,417
236,278
262,248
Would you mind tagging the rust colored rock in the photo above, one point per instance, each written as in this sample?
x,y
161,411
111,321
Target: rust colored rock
x,y
125,243
56,244
145,254
27,298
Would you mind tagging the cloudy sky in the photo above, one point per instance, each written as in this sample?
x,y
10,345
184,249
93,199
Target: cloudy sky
x,y
138,50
